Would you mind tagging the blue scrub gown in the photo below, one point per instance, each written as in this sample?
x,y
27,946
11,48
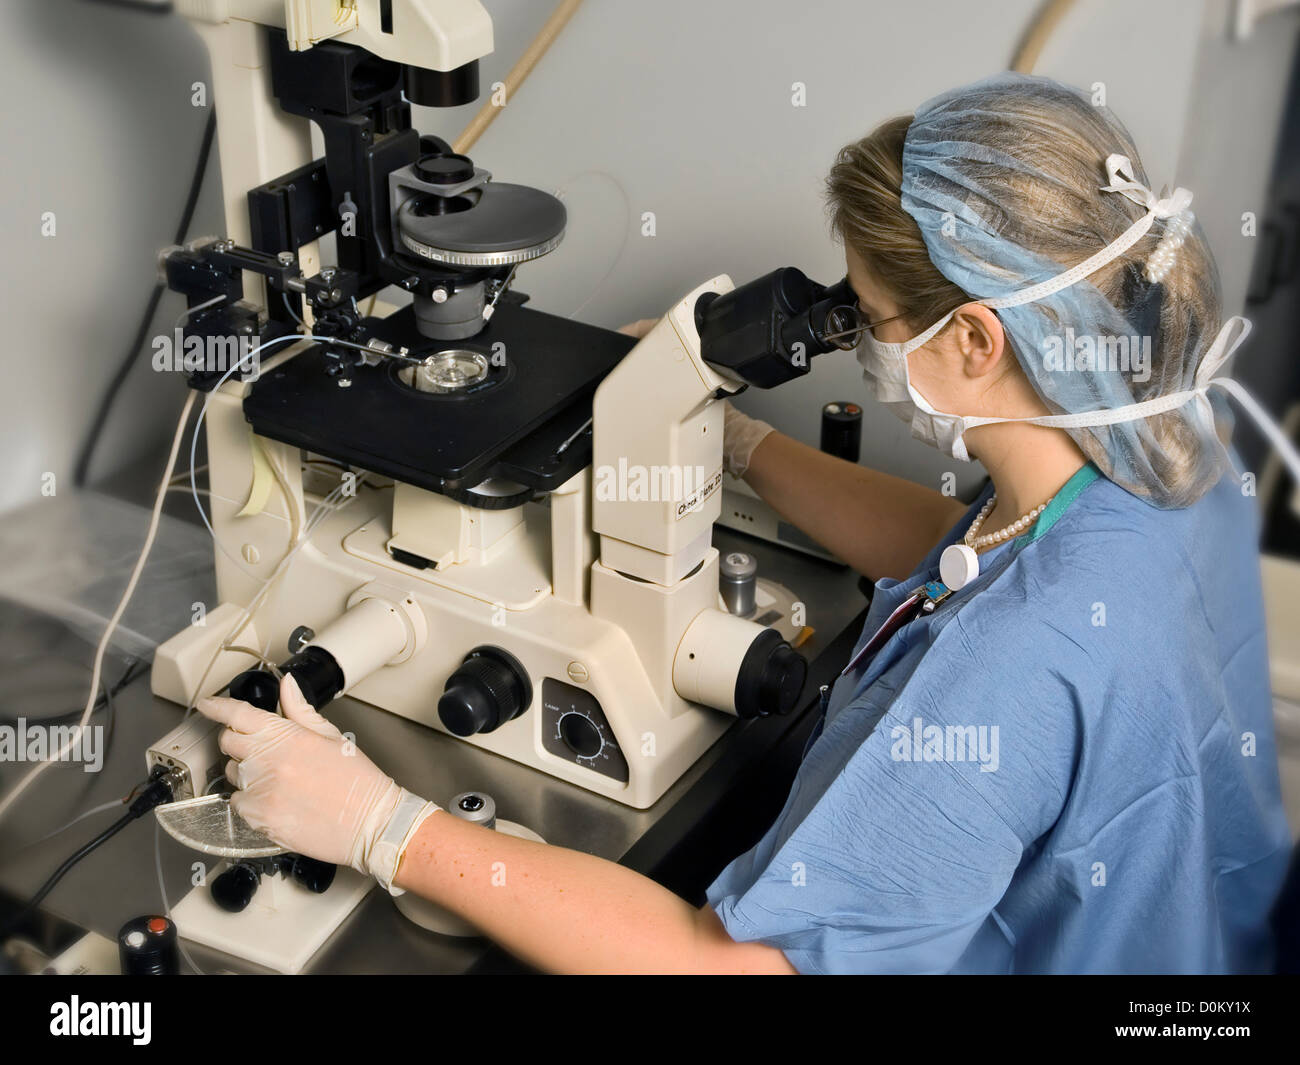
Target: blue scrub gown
x,y
1068,767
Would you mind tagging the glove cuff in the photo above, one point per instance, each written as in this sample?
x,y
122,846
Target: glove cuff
x,y
741,436
386,853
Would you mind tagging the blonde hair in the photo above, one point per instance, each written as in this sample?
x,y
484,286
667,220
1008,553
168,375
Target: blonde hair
x,y
864,196
1045,156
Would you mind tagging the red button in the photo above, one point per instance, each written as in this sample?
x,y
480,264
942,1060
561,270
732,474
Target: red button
x,y
157,924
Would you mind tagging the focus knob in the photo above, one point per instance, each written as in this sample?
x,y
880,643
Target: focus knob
x,y
771,677
488,689
233,890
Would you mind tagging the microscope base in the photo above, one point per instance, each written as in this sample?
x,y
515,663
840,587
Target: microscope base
x,y
283,926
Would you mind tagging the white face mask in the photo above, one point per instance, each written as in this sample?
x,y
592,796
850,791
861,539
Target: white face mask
x,y
886,369
886,373
884,366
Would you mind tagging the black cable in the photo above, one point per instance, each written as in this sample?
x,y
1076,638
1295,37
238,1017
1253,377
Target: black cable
x,y
110,707
58,874
157,793
134,670
128,360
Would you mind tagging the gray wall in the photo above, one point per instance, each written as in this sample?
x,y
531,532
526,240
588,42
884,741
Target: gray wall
x,y
679,107
98,129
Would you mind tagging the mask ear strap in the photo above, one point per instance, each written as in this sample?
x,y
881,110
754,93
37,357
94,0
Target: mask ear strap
x,y
1234,331
1230,336
1130,412
1120,172
900,350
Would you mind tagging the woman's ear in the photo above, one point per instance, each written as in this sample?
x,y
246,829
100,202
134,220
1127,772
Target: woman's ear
x,y
980,338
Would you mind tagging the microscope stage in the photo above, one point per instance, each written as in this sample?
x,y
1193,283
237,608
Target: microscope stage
x,y
543,372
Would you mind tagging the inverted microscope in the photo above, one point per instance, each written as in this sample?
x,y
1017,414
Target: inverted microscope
x,y
525,560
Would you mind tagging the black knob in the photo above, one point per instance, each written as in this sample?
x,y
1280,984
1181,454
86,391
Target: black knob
x,y
488,689
233,890
582,737
783,679
257,687
316,876
771,677
314,668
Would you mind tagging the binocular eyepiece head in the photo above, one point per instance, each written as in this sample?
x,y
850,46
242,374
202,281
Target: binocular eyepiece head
x,y
766,332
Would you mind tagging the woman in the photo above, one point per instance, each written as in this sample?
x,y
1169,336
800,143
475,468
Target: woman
x,y
1068,765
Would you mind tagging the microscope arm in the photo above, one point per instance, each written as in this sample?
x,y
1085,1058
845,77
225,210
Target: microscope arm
x,y
657,431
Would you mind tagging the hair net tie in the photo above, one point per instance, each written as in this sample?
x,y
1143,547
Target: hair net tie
x,y
1119,171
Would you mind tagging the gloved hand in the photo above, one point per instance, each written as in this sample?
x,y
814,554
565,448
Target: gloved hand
x,y
741,434
307,787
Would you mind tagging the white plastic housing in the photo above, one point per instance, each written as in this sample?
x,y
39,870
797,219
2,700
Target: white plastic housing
x,y
369,636
709,657
657,425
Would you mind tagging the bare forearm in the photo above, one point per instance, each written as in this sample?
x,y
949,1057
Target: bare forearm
x,y
880,525
565,911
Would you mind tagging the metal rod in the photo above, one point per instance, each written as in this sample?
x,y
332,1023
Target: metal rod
x,y
577,433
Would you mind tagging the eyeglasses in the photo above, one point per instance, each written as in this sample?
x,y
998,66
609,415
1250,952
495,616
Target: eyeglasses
x,y
844,325
857,330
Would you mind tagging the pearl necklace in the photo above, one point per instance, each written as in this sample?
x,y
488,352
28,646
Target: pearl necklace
x,y
973,540
959,564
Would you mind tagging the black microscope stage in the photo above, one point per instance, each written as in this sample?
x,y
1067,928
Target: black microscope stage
x,y
510,425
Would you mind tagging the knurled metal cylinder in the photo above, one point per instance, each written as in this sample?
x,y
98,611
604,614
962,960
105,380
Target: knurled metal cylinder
x,y
737,579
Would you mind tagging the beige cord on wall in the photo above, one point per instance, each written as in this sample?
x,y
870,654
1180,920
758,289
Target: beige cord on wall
x,y
532,54
1036,36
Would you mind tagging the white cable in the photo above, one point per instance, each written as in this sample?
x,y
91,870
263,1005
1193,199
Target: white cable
x,y
162,891
194,444
318,516
104,640
185,315
179,478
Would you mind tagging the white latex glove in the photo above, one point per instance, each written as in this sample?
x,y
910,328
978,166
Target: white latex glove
x,y
307,787
741,434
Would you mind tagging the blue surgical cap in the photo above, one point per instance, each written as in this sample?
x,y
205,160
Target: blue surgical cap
x,y
991,174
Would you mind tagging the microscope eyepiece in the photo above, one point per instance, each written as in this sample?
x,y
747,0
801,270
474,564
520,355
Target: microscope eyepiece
x,y
767,331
